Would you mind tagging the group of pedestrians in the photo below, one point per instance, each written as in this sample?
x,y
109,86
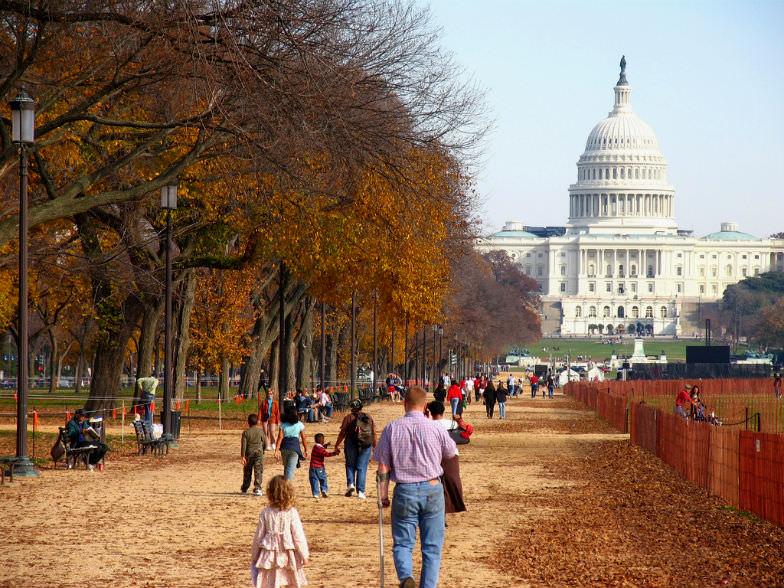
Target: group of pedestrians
x,y
415,452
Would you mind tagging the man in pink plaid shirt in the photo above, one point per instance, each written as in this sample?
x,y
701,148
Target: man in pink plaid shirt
x,y
409,453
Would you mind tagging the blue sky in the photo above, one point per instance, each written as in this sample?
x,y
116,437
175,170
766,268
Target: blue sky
x,y
707,76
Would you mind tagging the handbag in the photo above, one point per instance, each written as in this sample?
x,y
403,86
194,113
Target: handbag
x,y
58,450
457,436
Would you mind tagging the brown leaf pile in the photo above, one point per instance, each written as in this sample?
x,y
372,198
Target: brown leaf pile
x,y
631,521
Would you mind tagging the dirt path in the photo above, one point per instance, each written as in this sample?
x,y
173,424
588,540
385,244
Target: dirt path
x,y
181,521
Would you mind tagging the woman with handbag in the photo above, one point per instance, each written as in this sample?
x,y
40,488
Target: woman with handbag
x,y
453,485
490,398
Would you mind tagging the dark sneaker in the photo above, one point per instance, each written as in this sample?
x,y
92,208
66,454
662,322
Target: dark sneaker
x,y
408,583
350,491
323,494
244,490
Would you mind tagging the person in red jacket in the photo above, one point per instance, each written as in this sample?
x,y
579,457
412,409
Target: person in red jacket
x,y
682,400
455,398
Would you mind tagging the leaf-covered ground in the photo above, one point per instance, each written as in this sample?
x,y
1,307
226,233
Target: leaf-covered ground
x,y
631,521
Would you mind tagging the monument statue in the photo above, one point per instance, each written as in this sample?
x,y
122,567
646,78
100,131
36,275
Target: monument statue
x,y
622,78
623,64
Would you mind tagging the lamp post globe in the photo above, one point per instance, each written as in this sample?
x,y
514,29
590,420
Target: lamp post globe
x,y
23,134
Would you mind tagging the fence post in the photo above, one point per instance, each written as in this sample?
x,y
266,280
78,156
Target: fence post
x,y
122,426
220,424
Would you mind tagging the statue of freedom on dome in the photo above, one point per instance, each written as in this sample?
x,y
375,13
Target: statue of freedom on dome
x,y
622,78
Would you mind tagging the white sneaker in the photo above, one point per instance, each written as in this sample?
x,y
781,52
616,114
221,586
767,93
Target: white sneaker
x,y
257,492
316,496
361,495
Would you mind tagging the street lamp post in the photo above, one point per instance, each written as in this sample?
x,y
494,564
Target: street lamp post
x,y
23,134
436,365
169,203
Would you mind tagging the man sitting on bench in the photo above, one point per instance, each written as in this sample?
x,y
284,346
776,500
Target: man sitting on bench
x,y
304,407
78,432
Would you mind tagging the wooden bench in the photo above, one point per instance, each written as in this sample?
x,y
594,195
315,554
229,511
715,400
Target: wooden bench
x,y
8,464
73,454
146,443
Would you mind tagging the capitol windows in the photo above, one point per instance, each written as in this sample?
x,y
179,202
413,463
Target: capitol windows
x,y
679,271
527,270
702,289
702,271
714,271
563,286
715,289
649,312
592,312
578,311
634,287
650,287
609,270
615,173
592,286
650,271
600,173
623,174
608,286
620,288
633,271
606,312
594,174
729,270
663,312
563,270
637,174
620,312
744,272
635,312
539,270
528,254
679,288
620,271
591,270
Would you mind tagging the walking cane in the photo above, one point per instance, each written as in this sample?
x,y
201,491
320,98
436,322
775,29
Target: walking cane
x,y
380,528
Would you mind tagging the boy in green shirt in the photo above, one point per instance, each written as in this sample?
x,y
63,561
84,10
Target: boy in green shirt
x,y
253,444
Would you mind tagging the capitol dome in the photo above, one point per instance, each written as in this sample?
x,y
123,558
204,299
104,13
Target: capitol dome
x,y
622,175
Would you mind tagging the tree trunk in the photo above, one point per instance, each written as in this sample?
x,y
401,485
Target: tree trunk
x,y
79,370
223,380
198,385
109,360
332,360
53,363
304,346
274,364
146,345
182,333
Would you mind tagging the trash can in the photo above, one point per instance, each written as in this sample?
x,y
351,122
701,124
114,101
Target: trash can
x,y
176,419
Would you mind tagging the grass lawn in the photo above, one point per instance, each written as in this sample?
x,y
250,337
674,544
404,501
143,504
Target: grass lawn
x,y
675,349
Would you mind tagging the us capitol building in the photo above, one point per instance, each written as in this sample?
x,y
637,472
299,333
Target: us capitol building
x,y
621,265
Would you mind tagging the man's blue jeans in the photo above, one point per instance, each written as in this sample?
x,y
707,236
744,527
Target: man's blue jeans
x,y
318,477
420,504
356,464
325,411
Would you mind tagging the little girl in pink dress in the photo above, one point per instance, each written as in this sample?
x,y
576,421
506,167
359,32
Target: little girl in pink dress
x,y
280,549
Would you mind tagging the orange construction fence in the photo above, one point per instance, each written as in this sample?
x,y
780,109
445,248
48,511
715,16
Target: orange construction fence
x,y
744,468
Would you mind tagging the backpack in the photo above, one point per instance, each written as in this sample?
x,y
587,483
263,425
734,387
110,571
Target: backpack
x,y
363,430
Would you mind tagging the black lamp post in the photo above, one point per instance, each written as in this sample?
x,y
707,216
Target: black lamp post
x,y
23,134
169,203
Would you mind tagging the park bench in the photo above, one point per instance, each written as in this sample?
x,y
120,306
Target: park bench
x,y
72,454
7,464
145,442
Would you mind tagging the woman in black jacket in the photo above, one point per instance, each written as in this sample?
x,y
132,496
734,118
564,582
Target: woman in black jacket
x,y
490,398
500,395
440,393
